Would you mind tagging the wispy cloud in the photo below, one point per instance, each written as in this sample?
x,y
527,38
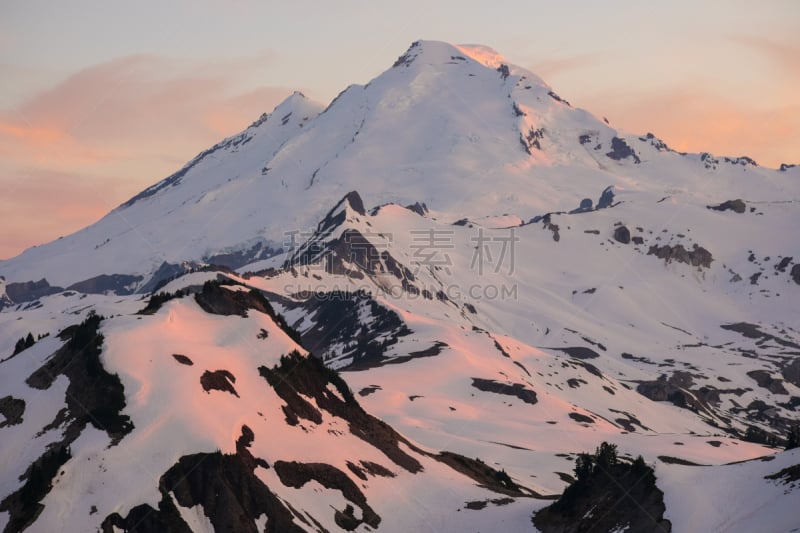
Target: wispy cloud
x,y
129,121
549,68
692,119
783,55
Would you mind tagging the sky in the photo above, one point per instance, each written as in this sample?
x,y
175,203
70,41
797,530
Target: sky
x,y
99,99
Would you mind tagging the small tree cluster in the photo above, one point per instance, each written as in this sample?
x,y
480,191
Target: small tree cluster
x,y
158,299
24,343
759,436
605,456
793,438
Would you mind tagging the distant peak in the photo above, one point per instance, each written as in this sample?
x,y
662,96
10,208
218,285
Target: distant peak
x,y
428,52
482,54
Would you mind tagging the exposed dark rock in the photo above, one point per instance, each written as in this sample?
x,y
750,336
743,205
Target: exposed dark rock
x,y
786,166
298,375
578,352
752,331
225,486
557,98
513,389
629,422
608,495
221,380
676,461
620,150
407,58
182,359
23,505
742,160
737,206
657,143
783,264
431,351
353,323
12,409
548,225
795,273
165,273
215,298
486,476
791,372
239,258
476,505
575,383
376,469
606,198
366,391
763,378
622,234
28,291
787,475
503,70
697,256
121,284
585,206
296,475
419,208
531,139
709,161
93,395
578,417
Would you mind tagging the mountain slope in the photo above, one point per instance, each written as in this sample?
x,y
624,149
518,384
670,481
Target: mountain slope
x,y
501,280
467,139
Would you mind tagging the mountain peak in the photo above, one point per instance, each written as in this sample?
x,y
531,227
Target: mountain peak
x,y
440,52
484,55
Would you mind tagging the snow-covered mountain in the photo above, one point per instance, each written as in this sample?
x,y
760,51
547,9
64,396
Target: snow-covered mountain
x,y
502,282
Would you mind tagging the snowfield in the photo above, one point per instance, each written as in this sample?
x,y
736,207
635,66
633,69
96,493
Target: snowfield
x,y
410,310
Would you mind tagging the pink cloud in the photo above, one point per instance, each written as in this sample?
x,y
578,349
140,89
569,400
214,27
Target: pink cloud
x,y
119,126
691,119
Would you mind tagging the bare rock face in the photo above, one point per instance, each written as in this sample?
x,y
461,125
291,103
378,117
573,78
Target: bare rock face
x,y
795,273
620,150
27,291
697,256
622,234
737,206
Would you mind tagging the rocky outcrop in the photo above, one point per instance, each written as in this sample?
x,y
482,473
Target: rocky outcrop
x,y
697,256
12,409
221,380
224,485
517,390
28,291
620,150
121,284
296,475
93,397
795,273
622,234
608,495
737,206
763,378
